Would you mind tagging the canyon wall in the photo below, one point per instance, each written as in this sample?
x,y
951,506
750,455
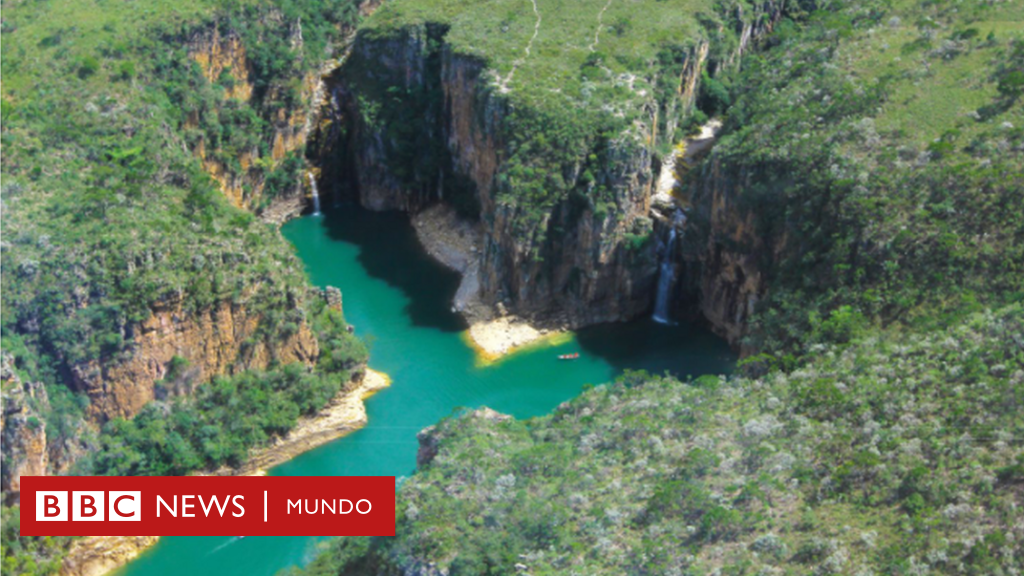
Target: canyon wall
x,y
22,429
443,135
722,259
219,53
415,122
220,340
726,259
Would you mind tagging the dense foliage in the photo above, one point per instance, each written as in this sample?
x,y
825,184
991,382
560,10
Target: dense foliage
x,y
222,420
28,555
879,149
898,454
107,212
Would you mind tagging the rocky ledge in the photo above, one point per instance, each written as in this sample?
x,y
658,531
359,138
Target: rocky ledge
x,y
456,242
343,414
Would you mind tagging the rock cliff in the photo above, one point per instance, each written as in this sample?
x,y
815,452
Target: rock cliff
x,y
242,178
444,136
728,258
22,430
27,448
220,340
97,555
416,122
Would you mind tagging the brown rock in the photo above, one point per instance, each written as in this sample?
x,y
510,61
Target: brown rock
x,y
213,342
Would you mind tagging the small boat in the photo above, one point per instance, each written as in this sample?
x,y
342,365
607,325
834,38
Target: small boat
x,y
569,356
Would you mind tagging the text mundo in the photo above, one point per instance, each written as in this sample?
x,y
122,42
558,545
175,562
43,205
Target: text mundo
x,y
208,506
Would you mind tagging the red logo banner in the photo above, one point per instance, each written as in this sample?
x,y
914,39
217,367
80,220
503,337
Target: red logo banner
x,y
208,506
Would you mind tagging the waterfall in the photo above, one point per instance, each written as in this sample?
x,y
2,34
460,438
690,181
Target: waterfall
x,y
666,271
316,194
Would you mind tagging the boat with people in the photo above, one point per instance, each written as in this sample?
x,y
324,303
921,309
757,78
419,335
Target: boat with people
x,y
569,356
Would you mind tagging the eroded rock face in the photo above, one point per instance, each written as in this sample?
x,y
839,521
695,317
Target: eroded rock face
x,y
219,52
578,265
575,264
97,555
213,342
22,430
729,278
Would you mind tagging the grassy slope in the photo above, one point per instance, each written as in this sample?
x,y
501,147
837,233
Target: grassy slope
x,y
940,94
889,456
499,32
875,140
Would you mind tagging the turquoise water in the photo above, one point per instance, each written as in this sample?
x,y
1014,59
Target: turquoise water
x,y
400,299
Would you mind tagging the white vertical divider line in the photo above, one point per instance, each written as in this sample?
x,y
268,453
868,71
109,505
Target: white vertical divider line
x,y
264,506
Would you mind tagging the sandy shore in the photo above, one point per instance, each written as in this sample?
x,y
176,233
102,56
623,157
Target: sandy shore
x,y
97,555
498,337
456,243
343,414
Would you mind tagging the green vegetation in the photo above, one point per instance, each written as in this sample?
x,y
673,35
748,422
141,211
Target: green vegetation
x,y
107,213
877,145
872,143
106,210
569,92
878,148
898,454
28,555
222,420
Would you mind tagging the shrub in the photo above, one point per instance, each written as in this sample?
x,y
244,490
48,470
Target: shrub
x,y
88,66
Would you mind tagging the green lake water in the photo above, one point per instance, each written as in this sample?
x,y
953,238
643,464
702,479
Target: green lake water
x,y
400,299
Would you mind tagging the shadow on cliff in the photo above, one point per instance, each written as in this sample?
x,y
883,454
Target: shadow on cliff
x,y
390,251
683,349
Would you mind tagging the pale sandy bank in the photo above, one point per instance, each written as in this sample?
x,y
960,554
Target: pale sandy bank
x,y
457,243
96,555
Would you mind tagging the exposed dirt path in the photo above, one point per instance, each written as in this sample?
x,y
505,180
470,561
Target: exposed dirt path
x,y
503,85
597,33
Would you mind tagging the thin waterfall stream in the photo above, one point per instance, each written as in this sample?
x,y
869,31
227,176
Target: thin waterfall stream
x,y
316,194
667,270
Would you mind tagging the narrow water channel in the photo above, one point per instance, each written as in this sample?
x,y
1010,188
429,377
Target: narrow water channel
x,y
399,299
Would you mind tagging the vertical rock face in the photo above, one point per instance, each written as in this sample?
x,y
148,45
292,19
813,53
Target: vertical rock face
x,y
578,265
386,174
588,273
415,122
730,261
22,429
219,340
219,53
98,555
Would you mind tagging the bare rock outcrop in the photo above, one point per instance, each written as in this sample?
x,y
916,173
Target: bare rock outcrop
x,y
22,430
97,555
219,340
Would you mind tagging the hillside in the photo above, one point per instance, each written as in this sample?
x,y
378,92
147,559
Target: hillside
x,y
857,229
872,159
894,455
135,270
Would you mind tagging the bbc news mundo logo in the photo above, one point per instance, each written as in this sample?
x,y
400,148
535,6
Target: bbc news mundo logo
x,y
89,506
207,506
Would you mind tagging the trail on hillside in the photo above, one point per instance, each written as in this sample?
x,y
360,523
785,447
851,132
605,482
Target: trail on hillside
x,y
597,33
503,85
